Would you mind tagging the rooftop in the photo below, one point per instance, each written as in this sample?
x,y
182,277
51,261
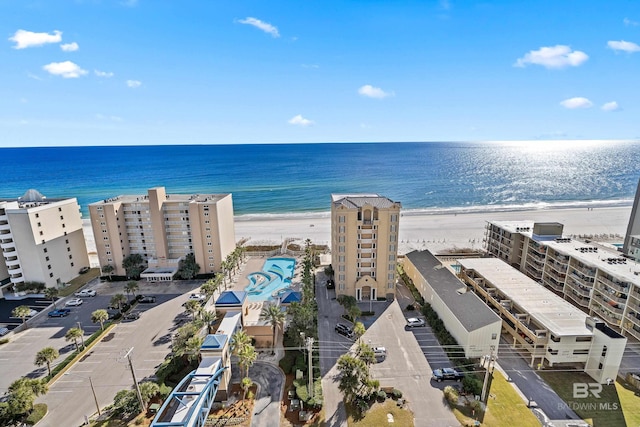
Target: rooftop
x,y
143,198
546,308
360,200
227,298
470,310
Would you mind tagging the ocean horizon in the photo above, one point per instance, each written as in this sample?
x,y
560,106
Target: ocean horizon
x,y
285,180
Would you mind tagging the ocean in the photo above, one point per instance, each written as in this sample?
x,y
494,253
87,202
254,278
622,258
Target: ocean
x,y
298,179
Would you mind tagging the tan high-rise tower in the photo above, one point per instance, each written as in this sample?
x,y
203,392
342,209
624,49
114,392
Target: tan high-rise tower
x,y
364,245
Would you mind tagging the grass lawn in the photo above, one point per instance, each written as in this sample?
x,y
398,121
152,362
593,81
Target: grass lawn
x,y
504,406
630,401
78,282
605,411
377,415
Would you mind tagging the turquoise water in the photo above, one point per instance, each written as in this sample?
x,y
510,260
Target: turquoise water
x,y
275,277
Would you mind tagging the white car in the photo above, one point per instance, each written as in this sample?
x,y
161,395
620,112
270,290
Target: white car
x,y
197,297
73,302
86,293
414,322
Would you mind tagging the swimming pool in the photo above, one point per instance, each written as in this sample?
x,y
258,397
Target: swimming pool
x,y
274,278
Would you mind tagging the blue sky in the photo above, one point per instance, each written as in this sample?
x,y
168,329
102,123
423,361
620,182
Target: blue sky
x,y
120,72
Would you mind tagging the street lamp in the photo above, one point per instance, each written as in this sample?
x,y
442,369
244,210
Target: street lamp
x,y
93,390
81,334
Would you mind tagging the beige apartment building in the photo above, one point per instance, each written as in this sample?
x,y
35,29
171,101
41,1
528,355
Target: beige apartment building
x,y
364,245
551,331
163,228
41,240
593,277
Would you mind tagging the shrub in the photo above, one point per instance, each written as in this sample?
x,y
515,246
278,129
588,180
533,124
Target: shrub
x,y
301,390
472,385
286,364
4,341
368,313
250,395
397,394
451,394
381,395
39,411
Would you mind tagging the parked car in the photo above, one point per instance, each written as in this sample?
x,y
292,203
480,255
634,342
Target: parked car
x,y
380,353
84,270
3,331
134,315
32,313
73,302
60,312
414,322
86,293
197,297
331,284
447,374
344,330
147,299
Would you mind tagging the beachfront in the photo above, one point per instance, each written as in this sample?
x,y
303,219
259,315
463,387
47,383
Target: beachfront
x,y
436,232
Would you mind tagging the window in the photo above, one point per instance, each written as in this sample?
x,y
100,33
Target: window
x,y
341,277
211,264
70,256
341,249
109,259
341,258
604,351
393,228
394,217
62,225
45,250
50,274
585,351
209,244
46,258
59,209
61,217
392,257
390,276
341,229
583,339
341,239
67,241
39,225
103,224
71,264
108,252
391,266
37,215
341,218
68,249
210,251
494,336
552,351
392,248
105,238
342,267
41,233
49,267
554,338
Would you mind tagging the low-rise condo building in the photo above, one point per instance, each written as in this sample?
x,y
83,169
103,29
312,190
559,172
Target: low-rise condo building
x,y
41,240
549,329
163,228
593,277
364,245
469,320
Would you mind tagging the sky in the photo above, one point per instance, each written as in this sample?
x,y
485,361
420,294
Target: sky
x,y
136,72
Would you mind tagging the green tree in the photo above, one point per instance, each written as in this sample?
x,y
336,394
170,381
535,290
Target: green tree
x,y
188,268
100,316
74,334
365,353
23,392
45,357
276,317
21,311
126,403
148,390
246,358
52,294
131,287
117,300
245,384
358,330
108,270
193,307
239,341
354,312
192,348
134,265
353,375
208,317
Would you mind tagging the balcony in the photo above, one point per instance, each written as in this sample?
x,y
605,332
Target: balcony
x,y
605,306
634,317
5,227
578,299
580,289
617,286
611,295
586,271
12,263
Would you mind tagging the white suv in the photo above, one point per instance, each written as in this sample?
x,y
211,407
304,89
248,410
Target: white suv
x,y
86,293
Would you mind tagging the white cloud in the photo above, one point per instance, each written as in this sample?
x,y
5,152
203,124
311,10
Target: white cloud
x,y
558,56
105,74
629,47
66,69
25,39
577,102
134,83
70,47
33,76
374,92
629,22
610,106
264,26
300,121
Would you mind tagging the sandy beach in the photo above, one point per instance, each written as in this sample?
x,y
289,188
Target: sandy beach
x,y
436,232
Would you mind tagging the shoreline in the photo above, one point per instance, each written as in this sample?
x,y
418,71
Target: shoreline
x,y
433,231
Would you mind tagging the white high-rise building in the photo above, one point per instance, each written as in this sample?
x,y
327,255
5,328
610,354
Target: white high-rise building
x,y
41,240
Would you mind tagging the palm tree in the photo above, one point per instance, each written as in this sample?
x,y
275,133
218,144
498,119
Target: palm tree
x,y
148,390
52,294
354,312
246,358
100,315
208,317
74,334
46,356
239,341
192,348
131,287
133,265
245,384
276,317
22,311
117,300
108,270
358,330
193,307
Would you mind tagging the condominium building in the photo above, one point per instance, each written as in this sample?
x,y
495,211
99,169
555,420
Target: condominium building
x,y
163,228
364,245
631,245
41,240
593,277
542,324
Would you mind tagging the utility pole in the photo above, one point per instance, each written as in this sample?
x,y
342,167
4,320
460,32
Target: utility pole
x,y
135,381
95,398
310,353
488,362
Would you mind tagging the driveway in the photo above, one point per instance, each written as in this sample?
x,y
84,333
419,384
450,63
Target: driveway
x,y
270,380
